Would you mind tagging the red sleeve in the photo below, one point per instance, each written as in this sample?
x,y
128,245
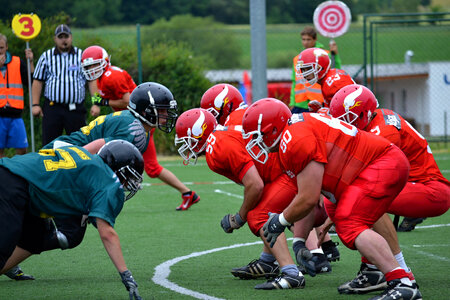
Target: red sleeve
x,y
333,82
226,155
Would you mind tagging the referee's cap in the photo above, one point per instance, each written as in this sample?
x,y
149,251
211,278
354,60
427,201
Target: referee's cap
x,y
63,28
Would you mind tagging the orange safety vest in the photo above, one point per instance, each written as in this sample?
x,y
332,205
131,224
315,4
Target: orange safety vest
x,y
11,88
305,92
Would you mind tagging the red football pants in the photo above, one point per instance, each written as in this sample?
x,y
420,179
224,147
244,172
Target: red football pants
x,y
369,196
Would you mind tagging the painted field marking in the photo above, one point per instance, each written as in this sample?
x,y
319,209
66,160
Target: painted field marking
x,y
162,271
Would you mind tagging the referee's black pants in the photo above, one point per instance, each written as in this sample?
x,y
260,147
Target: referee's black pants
x,y
59,117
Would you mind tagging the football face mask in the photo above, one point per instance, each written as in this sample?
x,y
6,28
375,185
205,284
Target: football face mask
x,y
131,180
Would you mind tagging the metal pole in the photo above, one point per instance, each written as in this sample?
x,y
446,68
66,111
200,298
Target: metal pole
x,y
445,129
258,48
365,49
138,37
30,97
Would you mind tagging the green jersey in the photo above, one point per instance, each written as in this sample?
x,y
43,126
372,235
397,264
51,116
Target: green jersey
x,y
69,181
118,125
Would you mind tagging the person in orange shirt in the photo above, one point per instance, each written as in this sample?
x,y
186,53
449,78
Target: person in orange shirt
x,y
301,92
427,192
314,66
359,173
13,77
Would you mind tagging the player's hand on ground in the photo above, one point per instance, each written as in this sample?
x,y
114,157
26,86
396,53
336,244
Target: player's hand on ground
x,y
273,228
231,222
130,284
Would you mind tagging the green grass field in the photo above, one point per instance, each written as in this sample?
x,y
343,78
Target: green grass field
x,y
193,256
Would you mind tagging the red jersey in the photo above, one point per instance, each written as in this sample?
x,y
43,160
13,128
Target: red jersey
x,y
235,118
333,82
393,127
226,154
114,83
344,150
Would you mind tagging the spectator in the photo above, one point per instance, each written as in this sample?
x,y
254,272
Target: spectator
x,y
360,173
60,69
113,86
301,92
12,79
30,191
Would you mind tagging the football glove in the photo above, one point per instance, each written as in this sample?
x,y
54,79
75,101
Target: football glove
x,y
314,105
273,228
231,222
98,100
130,284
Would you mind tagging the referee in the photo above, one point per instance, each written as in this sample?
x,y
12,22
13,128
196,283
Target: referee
x,y
60,69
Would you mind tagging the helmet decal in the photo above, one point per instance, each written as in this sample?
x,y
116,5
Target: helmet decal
x,y
221,98
319,52
199,126
150,97
350,101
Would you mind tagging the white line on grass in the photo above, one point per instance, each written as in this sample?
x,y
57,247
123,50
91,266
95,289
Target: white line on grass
x,y
162,271
228,194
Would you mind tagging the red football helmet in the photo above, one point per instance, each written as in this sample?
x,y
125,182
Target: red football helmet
x,y
221,100
354,104
192,130
313,64
264,122
94,61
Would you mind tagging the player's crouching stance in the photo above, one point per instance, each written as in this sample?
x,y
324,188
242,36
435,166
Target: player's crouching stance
x,y
35,185
329,156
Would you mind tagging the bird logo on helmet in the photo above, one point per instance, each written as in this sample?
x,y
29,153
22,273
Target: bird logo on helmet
x,y
221,100
312,65
354,104
349,101
192,131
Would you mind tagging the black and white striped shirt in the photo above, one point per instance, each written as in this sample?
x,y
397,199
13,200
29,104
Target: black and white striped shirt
x,y
64,81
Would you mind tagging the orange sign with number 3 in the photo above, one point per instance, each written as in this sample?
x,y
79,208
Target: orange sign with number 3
x,y
26,26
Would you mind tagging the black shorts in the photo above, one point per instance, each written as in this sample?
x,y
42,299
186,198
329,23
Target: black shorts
x,y
14,199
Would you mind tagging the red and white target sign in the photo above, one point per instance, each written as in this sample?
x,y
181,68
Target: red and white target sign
x,y
332,18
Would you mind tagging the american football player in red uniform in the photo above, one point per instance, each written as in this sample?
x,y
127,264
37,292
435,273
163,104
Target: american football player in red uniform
x,y
359,173
427,192
313,65
113,86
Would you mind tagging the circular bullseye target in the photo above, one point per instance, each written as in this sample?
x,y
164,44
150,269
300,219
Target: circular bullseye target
x,y
332,18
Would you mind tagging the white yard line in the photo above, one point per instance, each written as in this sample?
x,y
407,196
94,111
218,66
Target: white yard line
x,y
162,271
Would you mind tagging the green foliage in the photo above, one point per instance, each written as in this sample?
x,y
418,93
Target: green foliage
x,y
174,65
207,39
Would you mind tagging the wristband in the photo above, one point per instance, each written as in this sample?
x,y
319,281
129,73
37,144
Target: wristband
x,y
35,105
283,220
